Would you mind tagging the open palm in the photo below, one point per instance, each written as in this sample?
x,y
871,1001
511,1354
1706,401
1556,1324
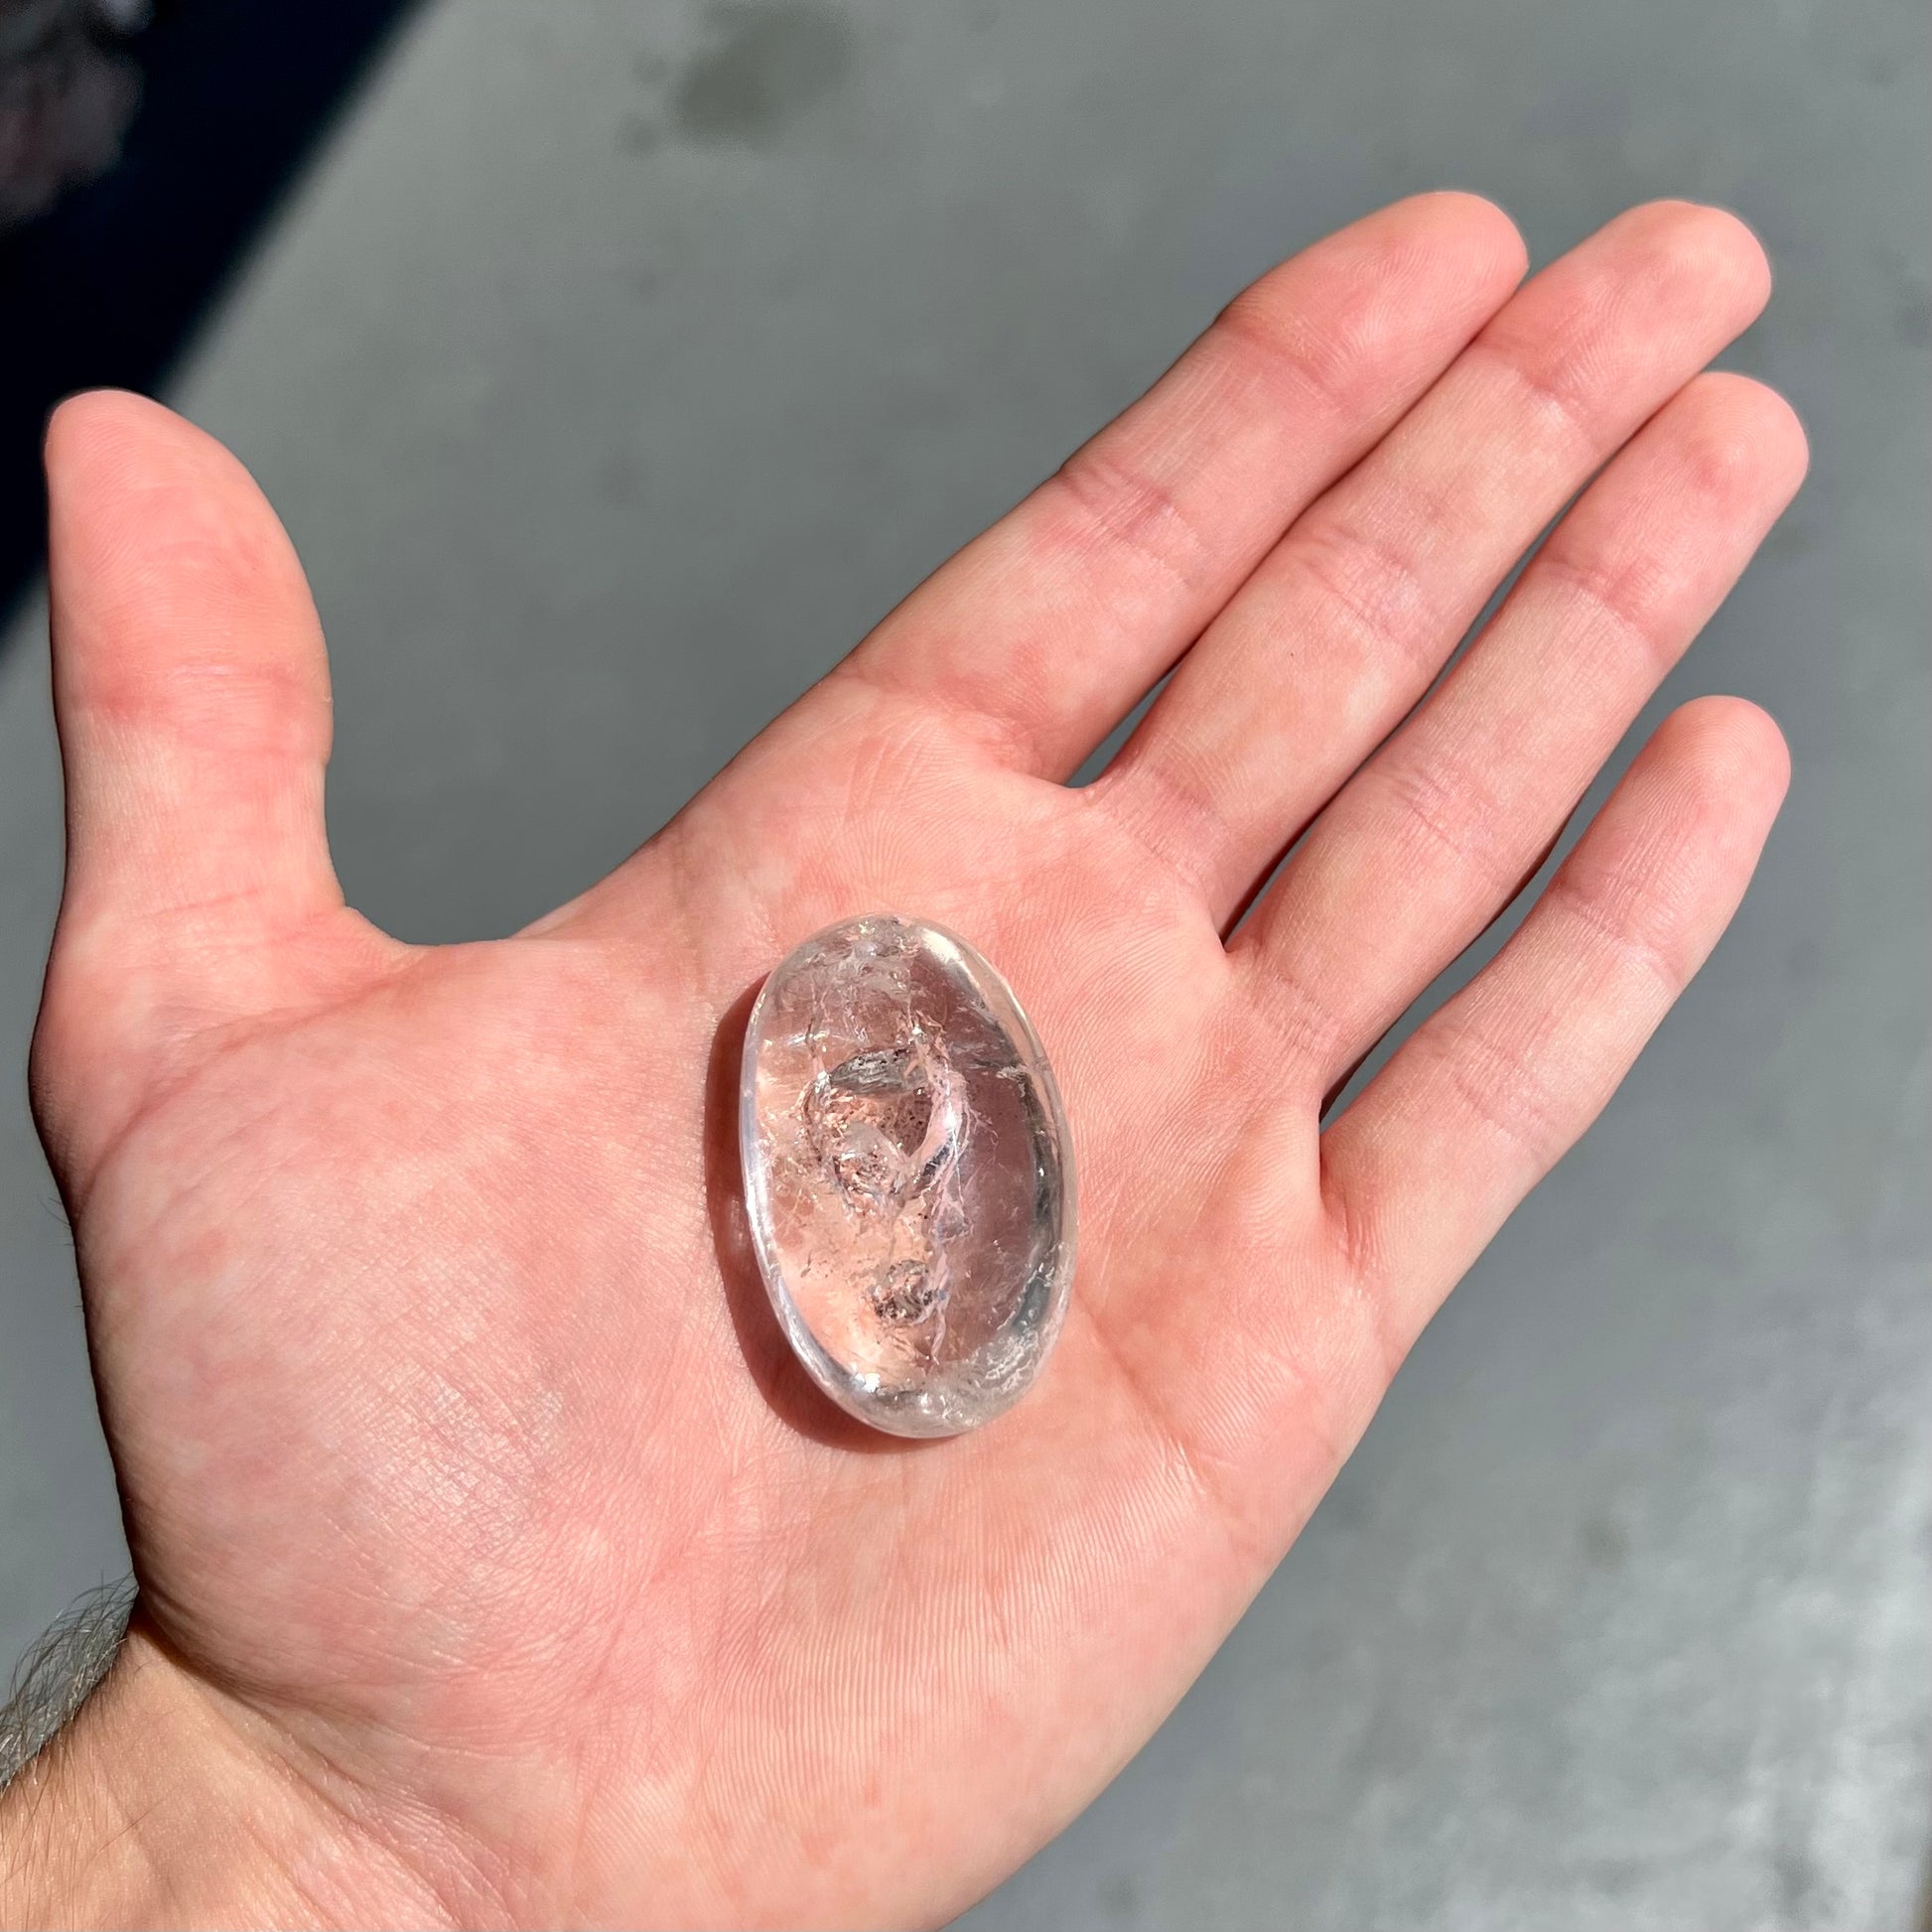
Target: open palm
x,y
497,1561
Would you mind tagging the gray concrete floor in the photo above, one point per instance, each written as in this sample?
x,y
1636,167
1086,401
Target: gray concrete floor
x,y
618,365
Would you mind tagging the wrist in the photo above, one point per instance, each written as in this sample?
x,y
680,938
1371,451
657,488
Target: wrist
x,y
165,1803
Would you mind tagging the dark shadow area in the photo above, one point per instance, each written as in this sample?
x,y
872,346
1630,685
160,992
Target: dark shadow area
x,y
794,1396
107,285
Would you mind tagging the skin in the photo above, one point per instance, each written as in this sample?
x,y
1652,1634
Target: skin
x,y
496,1562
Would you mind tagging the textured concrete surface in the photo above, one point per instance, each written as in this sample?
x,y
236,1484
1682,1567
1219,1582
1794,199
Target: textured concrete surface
x,y
618,365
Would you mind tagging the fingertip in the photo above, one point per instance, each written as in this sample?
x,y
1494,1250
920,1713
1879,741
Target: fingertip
x,y
117,439
1477,226
1775,428
1711,243
154,526
74,415
96,423
1744,449
1733,233
1737,750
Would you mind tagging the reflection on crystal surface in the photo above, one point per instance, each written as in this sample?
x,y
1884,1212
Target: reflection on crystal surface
x,y
908,1176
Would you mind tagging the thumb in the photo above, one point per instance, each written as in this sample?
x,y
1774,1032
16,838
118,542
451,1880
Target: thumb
x,y
191,690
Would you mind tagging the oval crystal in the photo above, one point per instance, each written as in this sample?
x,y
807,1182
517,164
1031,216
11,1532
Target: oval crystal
x,y
908,1175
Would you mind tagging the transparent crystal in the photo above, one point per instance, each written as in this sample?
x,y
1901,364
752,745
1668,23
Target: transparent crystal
x,y
908,1176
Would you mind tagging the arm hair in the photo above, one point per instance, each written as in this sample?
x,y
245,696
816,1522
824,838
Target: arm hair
x,y
59,1673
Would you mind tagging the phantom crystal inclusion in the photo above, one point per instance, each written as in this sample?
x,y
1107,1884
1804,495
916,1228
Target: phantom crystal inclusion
x,y
908,1177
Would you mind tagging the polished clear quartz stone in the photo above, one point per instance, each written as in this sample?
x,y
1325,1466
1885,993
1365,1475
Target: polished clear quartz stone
x,y
908,1176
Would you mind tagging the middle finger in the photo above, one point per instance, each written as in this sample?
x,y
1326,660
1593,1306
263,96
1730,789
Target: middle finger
x,y
1351,616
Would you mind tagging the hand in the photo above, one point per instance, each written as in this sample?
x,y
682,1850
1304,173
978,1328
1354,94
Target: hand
x,y
495,1560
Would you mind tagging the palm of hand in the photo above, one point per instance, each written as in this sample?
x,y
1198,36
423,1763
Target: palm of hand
x,y
454,1437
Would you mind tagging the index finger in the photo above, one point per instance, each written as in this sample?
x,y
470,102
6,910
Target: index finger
x,y
1042,634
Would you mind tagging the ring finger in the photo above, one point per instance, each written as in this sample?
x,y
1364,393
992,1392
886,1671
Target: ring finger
x,y
1430,838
